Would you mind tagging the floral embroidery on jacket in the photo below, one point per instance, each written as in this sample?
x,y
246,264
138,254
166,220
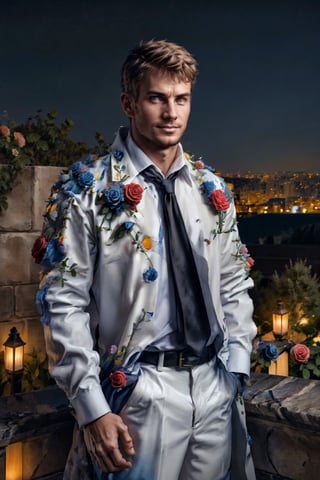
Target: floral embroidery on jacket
x,y
115,198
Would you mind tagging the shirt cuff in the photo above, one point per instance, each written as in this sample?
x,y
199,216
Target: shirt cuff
x,y
89,405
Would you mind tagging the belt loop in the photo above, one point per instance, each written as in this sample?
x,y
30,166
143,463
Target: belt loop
x,y
160,361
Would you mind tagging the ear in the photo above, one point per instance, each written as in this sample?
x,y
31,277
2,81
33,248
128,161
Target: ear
x,y
127,103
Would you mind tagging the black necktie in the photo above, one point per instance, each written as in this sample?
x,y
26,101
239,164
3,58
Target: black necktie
x,y
192,317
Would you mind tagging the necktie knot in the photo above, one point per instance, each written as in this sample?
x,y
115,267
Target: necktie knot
x,y
163,184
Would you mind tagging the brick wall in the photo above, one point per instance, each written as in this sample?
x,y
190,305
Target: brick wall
x,y
20,224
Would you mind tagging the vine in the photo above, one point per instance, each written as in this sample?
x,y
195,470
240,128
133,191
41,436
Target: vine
x,y
38,141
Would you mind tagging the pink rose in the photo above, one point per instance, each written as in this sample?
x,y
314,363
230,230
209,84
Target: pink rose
x,y
219,200
118,379
244,249
200,165
4,130
300,353
20,139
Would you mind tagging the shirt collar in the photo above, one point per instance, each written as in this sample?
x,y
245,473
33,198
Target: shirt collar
x,y
141,161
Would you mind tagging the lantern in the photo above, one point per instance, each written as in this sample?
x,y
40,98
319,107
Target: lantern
x,y
280,320
14,358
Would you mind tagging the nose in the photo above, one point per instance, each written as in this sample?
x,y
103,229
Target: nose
x,y
169,111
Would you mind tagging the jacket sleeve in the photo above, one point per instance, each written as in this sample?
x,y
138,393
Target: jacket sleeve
x,y
236,302
63,299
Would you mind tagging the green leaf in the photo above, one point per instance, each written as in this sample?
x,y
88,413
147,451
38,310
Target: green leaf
x,y
305,373
316,372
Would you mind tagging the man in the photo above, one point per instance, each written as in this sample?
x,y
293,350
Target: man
x,y
150,366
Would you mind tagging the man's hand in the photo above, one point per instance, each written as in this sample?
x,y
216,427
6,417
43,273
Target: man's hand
x,y
109,443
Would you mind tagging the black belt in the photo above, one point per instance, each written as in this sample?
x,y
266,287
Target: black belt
x,y
178,359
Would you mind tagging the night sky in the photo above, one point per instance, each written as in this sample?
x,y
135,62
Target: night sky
x,y
256,105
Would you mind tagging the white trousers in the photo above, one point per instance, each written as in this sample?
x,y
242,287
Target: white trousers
x,y
180,421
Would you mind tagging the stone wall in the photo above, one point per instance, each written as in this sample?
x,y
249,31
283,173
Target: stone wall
x,y
283,417
20,224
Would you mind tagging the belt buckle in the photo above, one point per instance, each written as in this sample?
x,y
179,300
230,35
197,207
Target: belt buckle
x,y
182,363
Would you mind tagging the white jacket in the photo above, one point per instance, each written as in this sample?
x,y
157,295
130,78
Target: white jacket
x,y
93,279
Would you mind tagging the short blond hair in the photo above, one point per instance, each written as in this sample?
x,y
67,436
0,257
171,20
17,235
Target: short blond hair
x,y
165,56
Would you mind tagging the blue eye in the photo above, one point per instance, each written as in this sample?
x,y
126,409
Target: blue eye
x,y
181,100
154,98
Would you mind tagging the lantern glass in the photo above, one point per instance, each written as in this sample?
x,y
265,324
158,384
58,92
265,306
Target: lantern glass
x,y
280,320
13,359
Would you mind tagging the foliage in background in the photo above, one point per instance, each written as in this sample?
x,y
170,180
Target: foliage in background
x,y
299,289
36,374
12,152
46,143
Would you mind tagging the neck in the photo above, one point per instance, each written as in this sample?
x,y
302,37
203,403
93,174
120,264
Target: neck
x,y
163,157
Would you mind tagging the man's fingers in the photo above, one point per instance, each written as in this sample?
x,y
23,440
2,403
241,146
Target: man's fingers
x,y
117,460
126,441
109,443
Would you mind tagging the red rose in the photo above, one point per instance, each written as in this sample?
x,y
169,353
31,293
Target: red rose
x,y
39,249
219,200
300,353
118,379
133,193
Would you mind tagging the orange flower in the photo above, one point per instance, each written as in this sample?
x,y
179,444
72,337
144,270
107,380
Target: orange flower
x,y
147,242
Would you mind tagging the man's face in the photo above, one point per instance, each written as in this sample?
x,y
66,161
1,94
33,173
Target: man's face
x,y
160,115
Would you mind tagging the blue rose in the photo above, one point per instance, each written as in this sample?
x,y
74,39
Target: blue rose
x,y
42,305
90,160
85,179
76,167
207,188
150,275
71,188
270,352
118,155
54,253
114,197
64,177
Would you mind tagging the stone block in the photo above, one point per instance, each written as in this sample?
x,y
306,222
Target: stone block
x,y
25,300
283,417
33,335
41,454
18,216
6,303
44,178
16,264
